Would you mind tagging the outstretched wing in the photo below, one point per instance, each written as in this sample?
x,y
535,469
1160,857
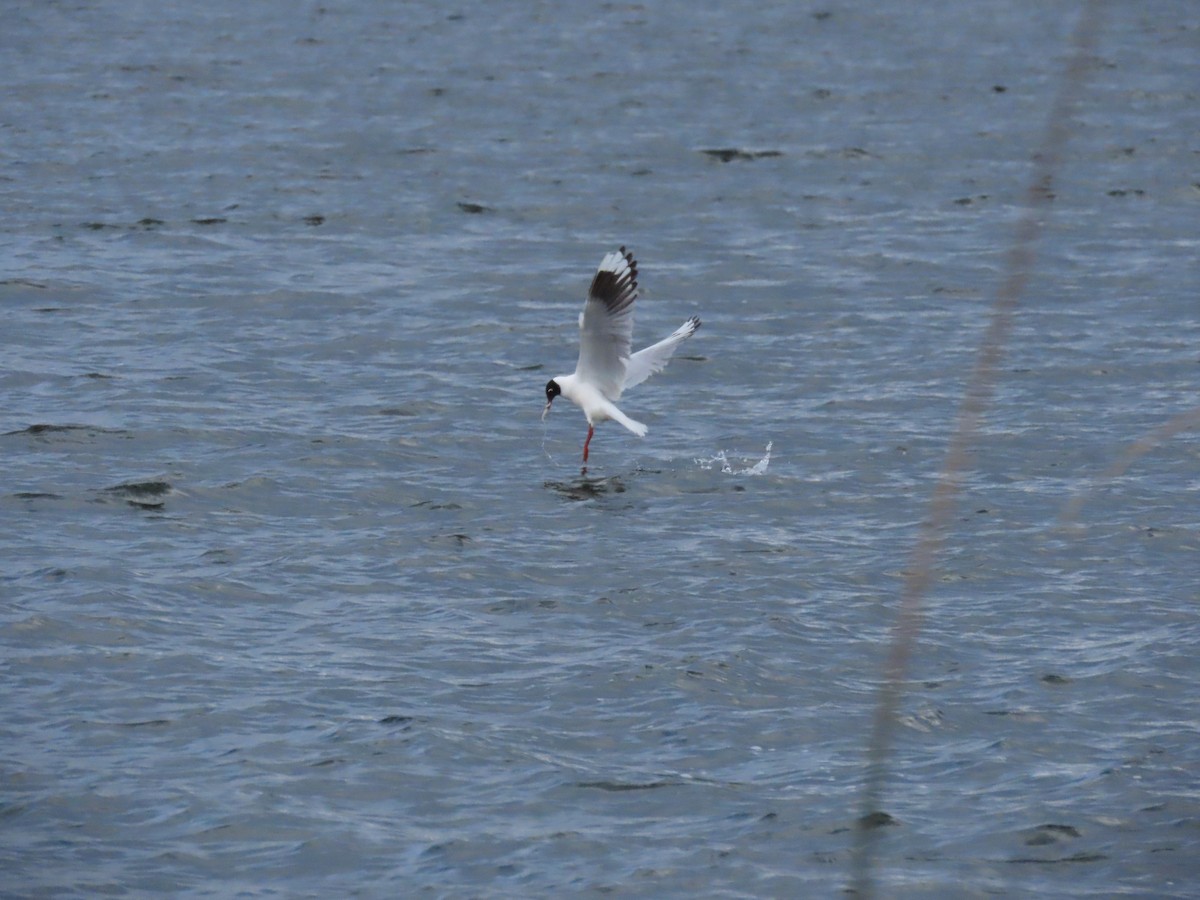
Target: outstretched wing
x,y
654,358
606,325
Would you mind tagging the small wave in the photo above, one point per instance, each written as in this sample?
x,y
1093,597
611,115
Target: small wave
x,y
759,468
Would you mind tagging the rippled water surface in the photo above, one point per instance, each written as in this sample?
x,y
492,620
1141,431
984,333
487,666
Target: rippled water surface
x,y
299,596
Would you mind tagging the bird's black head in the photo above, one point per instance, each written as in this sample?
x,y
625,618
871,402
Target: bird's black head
x,y
552,391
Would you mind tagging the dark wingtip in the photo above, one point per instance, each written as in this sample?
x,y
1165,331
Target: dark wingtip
x,y
633,272
616,289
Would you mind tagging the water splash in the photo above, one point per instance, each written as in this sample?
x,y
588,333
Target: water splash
x,y
759,468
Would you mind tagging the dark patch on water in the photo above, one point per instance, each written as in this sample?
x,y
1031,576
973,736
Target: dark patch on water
x,y
396,720
1044,835
587,488
520,605
457,538
47,430
141,494
145,224
877,819
623,786
141,488
729,154
1076,858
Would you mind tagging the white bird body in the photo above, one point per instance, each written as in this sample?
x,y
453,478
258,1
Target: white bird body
x,y
594,404
606,368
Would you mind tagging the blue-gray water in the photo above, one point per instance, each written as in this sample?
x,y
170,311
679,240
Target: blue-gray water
x,y
300,598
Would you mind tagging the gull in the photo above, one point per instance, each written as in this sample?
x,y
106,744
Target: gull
x,y
606,367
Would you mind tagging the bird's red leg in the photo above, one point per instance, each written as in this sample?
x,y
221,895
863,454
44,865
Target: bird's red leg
x,y
591,431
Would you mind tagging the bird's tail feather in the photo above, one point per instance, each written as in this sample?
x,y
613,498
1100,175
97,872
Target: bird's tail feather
x,y
636,427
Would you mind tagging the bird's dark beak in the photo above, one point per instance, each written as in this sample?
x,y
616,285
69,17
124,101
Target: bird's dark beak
x,y
546,411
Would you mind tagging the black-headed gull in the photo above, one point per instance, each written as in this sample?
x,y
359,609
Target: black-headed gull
x,y
606,367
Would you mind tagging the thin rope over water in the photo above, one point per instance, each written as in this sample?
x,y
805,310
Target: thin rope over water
x,y
980,389
1185,421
